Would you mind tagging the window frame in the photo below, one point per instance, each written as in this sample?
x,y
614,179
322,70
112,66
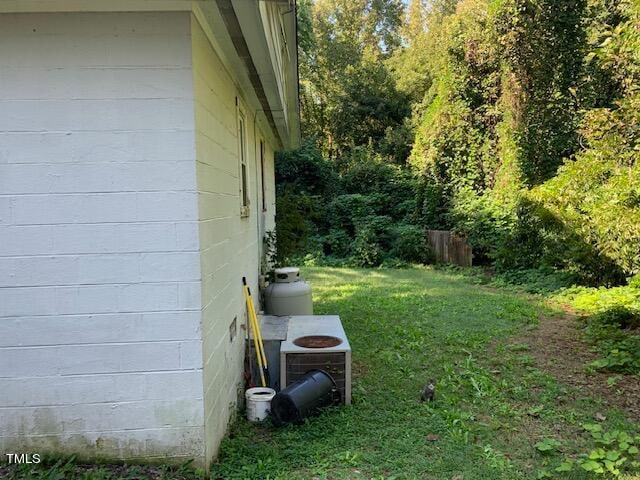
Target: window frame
x,y
243,166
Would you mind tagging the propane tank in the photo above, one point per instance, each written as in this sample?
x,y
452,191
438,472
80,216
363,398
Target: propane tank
x,y
288,294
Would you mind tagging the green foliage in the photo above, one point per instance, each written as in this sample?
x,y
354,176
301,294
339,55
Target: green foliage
x,y
305,170
520,119
594,197
547,445
484,221
358,213
405,326
534,93
615,451
541,280
590,301
348,96
367,109
619,349
612,324
622,317
409,243
542,42
296,216
367,251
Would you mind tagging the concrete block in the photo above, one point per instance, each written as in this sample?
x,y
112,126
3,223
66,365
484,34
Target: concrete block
x,y
79,115
27,301
25,240
112,387
147,297
73,83
169,266
99,328
102,417
90,299
96,147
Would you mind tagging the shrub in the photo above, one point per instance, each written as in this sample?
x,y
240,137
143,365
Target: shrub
x,y
409,243
485,222
306,170
337,243
612,319
347,210
620,316
296,219
541,280
366,248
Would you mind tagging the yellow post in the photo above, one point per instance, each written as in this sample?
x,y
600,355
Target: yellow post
x,y
257,336
257,324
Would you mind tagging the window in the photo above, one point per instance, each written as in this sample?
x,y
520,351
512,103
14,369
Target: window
x,y
262,184
242,155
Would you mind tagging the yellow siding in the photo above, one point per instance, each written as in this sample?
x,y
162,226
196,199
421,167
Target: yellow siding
x,y
230,245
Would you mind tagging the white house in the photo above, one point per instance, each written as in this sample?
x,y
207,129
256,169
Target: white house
x,y
136,186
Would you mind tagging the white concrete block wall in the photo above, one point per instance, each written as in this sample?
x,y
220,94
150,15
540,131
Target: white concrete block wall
x,y
121,242
230,244
100,291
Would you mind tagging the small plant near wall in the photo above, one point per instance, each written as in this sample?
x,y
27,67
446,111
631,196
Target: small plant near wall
x,y
269,254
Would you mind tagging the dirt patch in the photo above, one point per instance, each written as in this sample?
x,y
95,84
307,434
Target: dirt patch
x,y
557,348
358,369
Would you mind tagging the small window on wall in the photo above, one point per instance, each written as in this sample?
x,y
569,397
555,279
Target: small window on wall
x,y
262,184
242,155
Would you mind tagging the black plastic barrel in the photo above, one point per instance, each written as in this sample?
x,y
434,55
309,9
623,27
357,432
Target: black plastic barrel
x,y
304,397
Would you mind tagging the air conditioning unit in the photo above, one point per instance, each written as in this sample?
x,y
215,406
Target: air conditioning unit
x,y
316,342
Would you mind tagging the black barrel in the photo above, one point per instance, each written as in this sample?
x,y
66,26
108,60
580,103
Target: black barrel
x,y
304,397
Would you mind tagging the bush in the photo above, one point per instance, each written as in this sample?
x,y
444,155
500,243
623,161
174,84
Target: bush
x,y
542,280
347,210
296,219
619,349
612,323
409,243
337,243
618,316
306,170
366,248
341,211
485,222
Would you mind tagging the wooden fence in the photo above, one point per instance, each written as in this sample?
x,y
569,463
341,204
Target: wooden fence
x,y
449,248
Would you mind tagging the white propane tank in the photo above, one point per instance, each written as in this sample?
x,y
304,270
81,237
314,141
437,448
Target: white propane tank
x,y
288,294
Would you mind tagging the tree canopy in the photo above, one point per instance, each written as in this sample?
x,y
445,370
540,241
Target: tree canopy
x,y
512,122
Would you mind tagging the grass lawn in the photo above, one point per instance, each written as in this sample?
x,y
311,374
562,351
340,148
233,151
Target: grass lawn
x,y
497,415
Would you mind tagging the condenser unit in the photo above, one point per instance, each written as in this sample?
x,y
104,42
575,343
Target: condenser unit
x,y
316,342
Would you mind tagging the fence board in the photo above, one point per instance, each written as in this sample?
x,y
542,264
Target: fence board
x,y
449,248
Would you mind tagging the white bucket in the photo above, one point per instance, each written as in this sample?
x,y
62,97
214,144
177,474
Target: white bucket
x,y
259,403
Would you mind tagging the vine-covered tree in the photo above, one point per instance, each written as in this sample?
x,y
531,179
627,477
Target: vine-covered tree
x,y
512,122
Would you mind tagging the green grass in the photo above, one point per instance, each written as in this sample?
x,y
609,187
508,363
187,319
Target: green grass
x,y
493,406
55,468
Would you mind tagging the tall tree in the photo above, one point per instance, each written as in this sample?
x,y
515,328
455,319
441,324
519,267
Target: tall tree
x,y
349,98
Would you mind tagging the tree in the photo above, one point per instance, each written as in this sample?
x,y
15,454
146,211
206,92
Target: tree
x,y
348,96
